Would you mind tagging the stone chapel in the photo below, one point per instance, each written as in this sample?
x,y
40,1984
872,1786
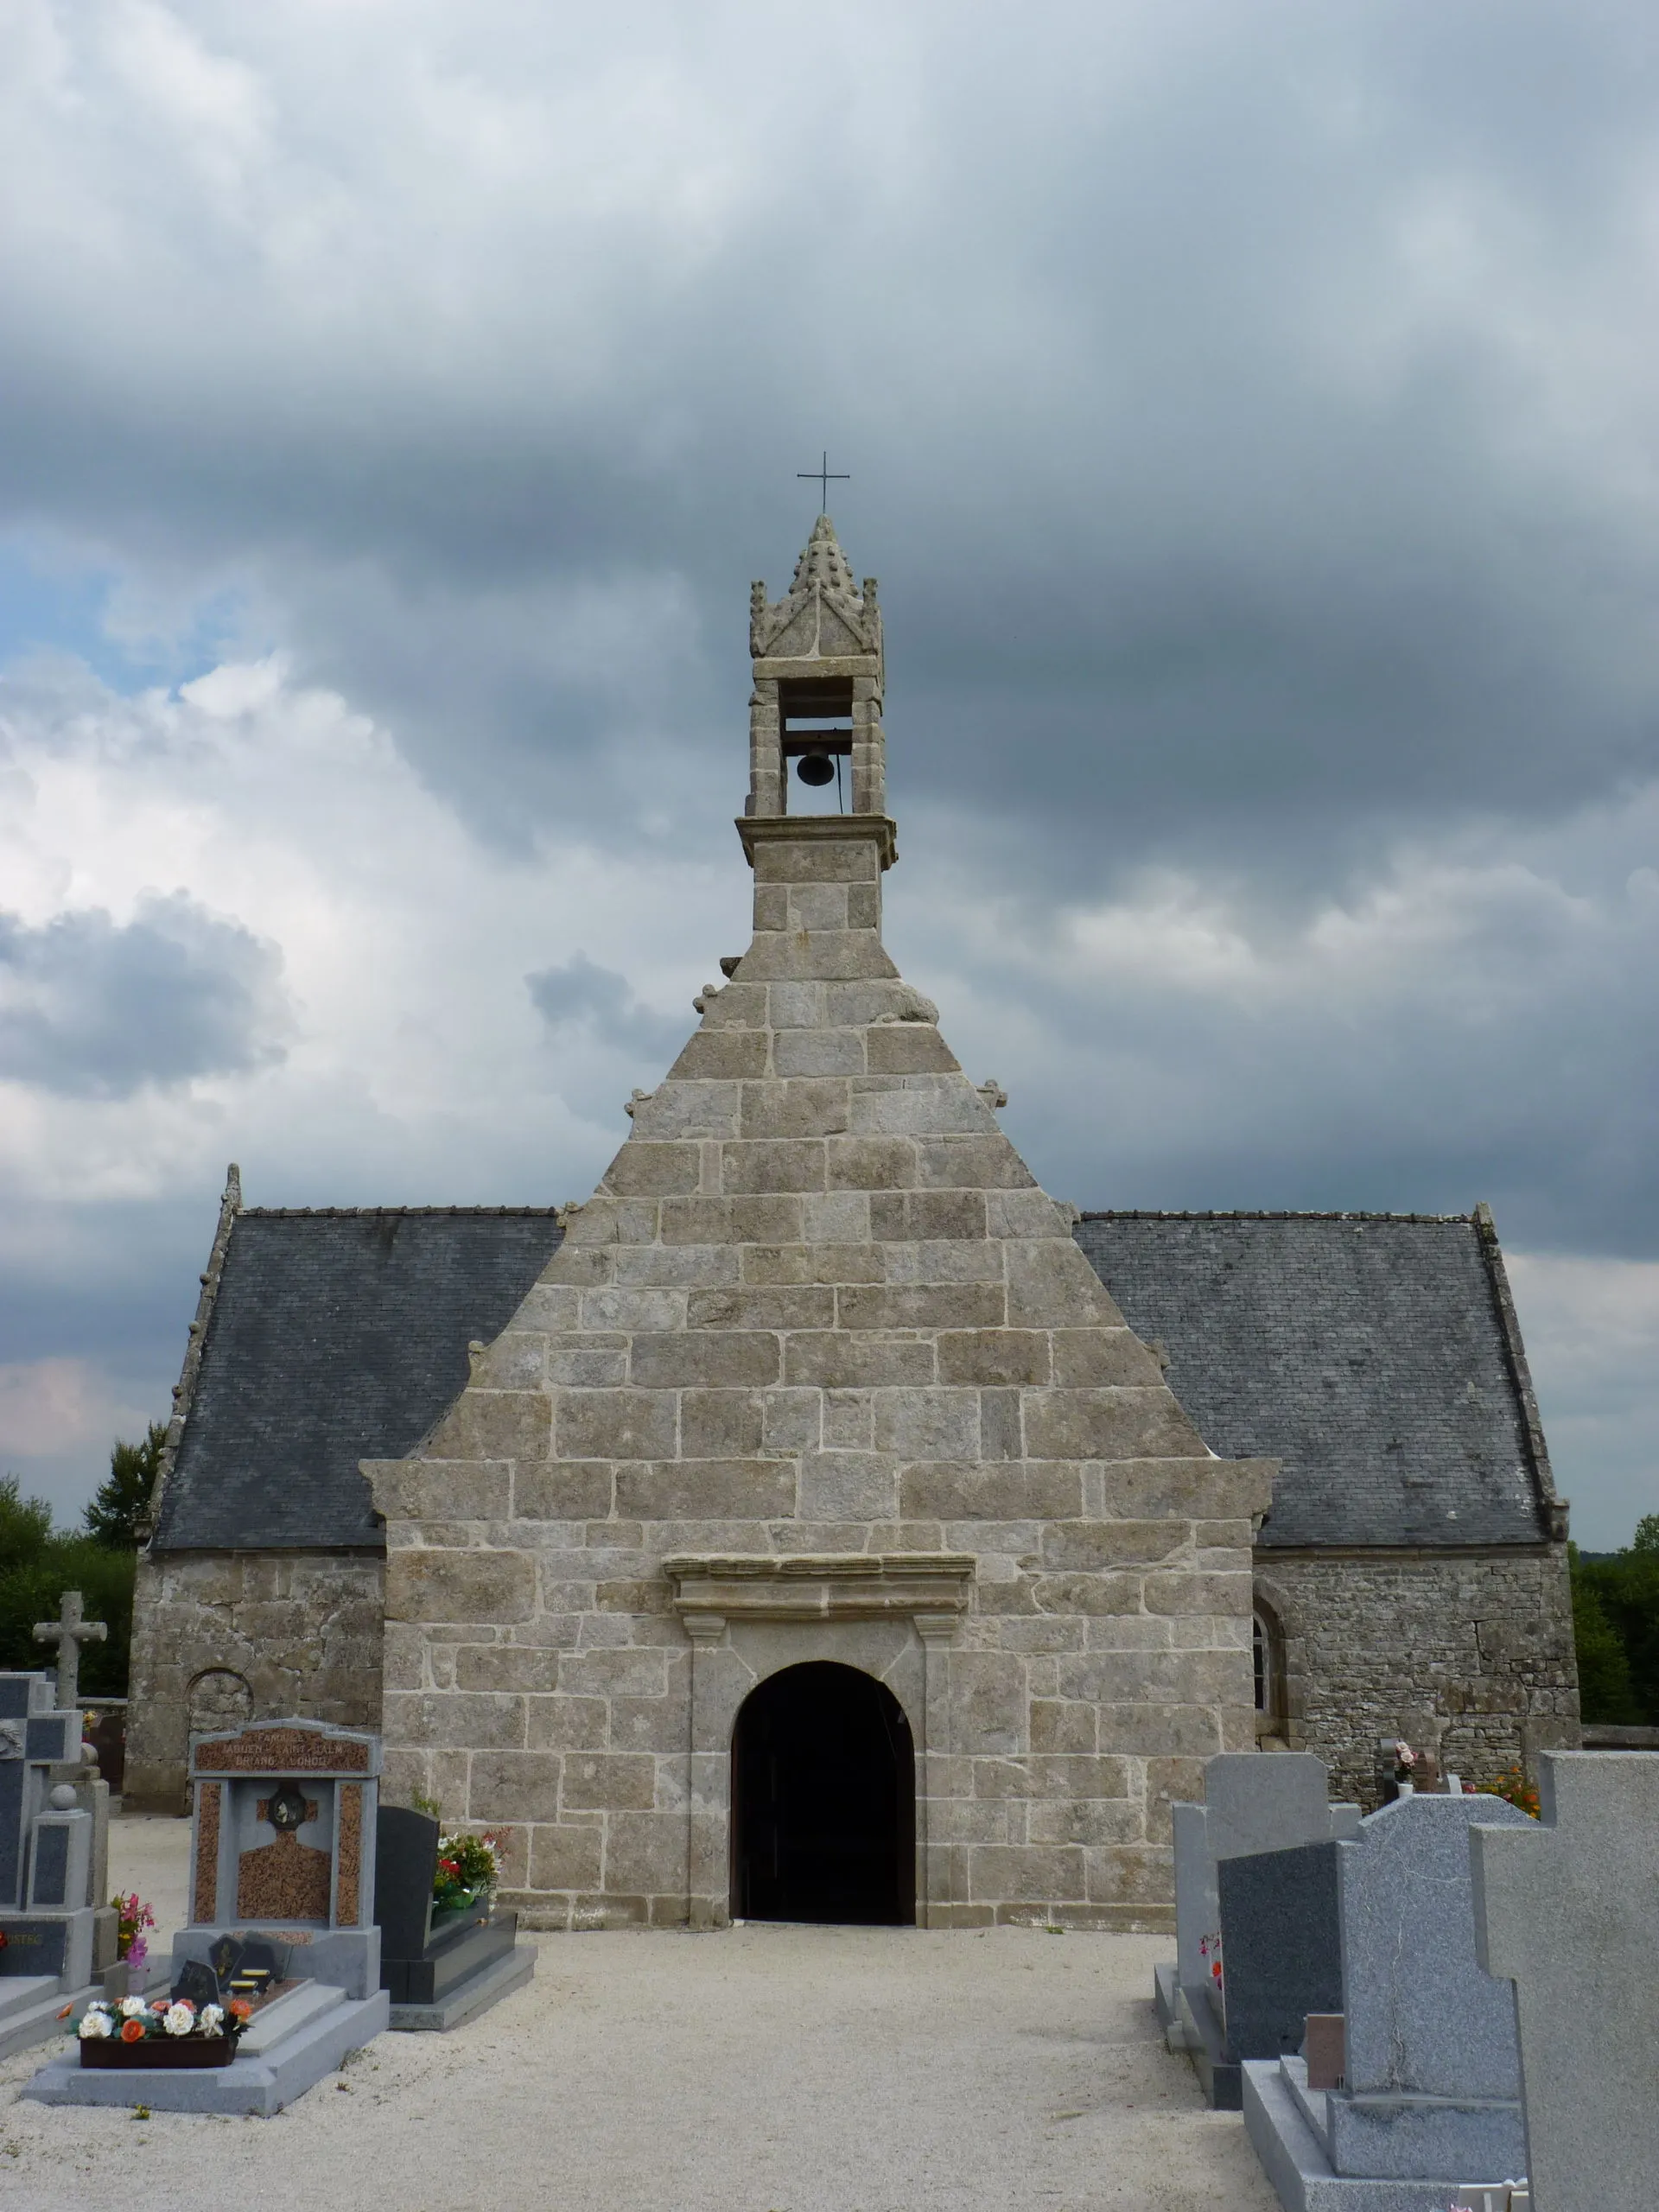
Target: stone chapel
x,y
822,1521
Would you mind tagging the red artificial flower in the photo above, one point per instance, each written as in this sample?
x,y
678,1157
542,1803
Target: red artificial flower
x,y
132,2031
240,2009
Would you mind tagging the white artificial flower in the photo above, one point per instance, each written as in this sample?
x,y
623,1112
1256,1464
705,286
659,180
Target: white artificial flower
x,y
95,2021
179,2020
133,2008
213,2018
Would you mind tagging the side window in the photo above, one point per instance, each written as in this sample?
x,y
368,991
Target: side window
x,y
1267,1644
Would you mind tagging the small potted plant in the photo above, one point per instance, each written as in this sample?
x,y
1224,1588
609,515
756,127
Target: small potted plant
x,y
133,2032
1405,1761
126,1977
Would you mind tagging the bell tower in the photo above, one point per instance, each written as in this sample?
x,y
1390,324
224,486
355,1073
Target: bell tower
x,y
814,712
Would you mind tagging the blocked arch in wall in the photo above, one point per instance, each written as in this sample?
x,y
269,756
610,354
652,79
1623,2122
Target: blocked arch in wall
x,y
823,1800
216,1699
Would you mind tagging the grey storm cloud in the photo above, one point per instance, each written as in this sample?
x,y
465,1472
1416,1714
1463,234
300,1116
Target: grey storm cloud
x,y
1251,422
91,1007
579,994
1242,413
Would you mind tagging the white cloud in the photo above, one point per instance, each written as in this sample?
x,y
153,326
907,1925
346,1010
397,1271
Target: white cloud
x,y
1591,1331
415,1063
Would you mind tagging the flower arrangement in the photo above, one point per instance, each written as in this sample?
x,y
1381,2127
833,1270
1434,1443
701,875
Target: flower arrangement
x,y
1513,1786
136,2019
133,1916
468,1867
1405,1759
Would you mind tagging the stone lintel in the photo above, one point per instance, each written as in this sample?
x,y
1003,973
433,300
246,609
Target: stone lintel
x,y
879,829
853,1585
814,668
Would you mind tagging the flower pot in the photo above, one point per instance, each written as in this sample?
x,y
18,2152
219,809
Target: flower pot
x,y
153,2051
1405,1789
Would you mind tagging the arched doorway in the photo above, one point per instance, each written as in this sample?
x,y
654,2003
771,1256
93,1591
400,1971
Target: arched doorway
x,y
823,1800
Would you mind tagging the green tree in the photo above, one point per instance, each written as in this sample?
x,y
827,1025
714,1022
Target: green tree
x,y
37,1565
123,1496
1620,1595
1605,1691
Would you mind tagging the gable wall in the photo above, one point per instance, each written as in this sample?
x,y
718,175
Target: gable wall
x,y
818,1309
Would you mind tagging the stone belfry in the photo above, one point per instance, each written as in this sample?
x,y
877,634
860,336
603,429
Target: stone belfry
x,y
817,1541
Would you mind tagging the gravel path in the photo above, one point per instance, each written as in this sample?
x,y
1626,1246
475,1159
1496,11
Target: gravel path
x,y
761,2069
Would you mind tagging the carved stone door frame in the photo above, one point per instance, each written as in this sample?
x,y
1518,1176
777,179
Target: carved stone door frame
x,y
894,1615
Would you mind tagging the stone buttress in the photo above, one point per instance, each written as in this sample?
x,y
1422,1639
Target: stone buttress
x,y
818,1373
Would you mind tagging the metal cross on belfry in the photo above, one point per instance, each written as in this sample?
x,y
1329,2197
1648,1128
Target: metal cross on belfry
x,y
824,476
69,1631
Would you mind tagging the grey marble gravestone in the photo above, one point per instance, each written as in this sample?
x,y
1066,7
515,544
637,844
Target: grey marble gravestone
x,y
1254,1801
1431,2089
1567,1908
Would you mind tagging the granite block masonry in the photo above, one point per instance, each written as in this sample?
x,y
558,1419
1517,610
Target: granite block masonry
x,y
818,1374
1567,1908
1430,2089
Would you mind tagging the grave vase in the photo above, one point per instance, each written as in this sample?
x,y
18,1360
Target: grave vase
x,y
110,2052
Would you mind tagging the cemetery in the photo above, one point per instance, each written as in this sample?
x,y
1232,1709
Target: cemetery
x,y
628,1694
1406,2010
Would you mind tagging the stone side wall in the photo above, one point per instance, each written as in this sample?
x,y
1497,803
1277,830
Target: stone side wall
x,y
220,1637
1469,1653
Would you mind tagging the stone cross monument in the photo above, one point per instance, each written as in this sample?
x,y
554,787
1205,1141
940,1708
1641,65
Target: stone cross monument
x,y
69,1631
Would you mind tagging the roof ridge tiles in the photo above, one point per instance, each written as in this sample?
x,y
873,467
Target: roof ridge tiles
x,y
349,1213
1284,1213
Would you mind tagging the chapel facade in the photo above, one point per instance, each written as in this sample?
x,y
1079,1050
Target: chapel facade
x,y
805,1526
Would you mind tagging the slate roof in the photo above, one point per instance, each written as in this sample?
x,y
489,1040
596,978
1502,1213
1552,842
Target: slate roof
x,y
334,1336
1375,1355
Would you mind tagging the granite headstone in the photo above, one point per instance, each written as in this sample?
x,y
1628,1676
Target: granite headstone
x,y
1430,2089
1567,1908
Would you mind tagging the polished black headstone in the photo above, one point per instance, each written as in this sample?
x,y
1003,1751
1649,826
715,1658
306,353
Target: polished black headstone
x,y
196,1983
405,1865
224,1957
1280,1947
261,1958
32,1946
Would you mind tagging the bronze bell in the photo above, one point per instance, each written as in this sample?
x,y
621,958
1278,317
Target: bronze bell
x,y
816,768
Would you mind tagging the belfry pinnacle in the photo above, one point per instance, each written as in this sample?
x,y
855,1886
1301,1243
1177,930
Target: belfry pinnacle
x,y
823,562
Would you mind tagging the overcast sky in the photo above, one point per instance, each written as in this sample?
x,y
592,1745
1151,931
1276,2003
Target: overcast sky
x,y
1251,417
